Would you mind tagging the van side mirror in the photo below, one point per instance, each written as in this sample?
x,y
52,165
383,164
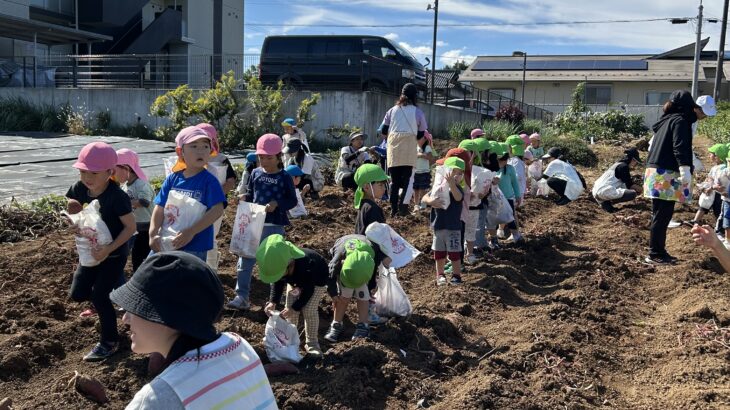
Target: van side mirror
x,y
390,53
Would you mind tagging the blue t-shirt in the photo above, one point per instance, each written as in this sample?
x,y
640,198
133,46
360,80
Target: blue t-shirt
x,y
204,188
264,188
449,218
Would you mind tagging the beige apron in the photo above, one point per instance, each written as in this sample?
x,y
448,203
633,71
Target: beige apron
x,y
402,142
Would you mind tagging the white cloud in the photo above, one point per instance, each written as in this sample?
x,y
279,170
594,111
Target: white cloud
x,y
440,43
452,56
391,36
306,15
418,51
253,50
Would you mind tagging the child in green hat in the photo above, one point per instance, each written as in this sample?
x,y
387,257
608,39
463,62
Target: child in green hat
x,y
353,263
305,272
371,184
517,160
717,180
510,187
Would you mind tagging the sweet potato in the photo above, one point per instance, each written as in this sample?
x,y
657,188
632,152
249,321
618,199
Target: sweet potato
x,y
280,369
89,387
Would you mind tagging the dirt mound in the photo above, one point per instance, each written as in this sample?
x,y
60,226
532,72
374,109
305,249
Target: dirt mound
x,y
571,319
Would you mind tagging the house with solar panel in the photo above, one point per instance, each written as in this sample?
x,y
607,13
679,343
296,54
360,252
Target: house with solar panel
x,y
636,83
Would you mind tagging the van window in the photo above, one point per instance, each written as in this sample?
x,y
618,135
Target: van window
x,y
375,47
286,46
340,47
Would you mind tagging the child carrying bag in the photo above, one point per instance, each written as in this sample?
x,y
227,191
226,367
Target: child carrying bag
x,y
93,232
390,299
440,187
247,229
281,340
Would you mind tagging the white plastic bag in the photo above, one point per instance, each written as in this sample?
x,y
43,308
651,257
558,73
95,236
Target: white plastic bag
x,y
499,211
535,169
481,179
93,232
543,188
299,210
393,245
218,170
440,188
706,200
391,299
247,229
169,163
281,340
181,212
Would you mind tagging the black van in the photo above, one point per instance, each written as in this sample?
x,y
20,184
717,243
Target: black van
x,y
339,63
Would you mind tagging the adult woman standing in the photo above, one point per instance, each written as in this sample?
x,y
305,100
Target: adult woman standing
x,y
668,175
404,124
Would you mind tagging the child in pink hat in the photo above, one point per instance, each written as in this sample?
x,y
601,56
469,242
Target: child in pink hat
x,y
134,182
96,164
271,186
190,178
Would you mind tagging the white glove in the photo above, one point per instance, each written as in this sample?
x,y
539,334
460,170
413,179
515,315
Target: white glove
x,y
685,175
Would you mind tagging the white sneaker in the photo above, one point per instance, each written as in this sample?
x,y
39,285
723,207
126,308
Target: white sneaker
x,y
441,280
471,259
500,233
516,238
721,237
239,303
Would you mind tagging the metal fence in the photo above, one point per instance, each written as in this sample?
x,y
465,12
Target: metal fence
x,y
168,71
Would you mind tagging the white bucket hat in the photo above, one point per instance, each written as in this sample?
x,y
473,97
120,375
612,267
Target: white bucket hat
x,y
707,103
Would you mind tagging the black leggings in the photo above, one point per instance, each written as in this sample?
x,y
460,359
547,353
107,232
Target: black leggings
x,y
661,214
95,283
348,182
141,248
558,185
399,177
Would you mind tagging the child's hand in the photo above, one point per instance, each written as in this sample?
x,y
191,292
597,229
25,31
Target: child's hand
x,y
495,180
73,206
271,206
101,252
156,243
135,204
182,238
306,189
269,308
284,312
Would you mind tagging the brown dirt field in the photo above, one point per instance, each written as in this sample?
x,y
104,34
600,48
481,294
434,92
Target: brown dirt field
x,y
572,319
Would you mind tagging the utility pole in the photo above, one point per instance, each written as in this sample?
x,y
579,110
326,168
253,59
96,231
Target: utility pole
x,y
524,76
698,48
433,52
720,53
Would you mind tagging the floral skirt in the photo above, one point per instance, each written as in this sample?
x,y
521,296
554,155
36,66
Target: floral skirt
x,y
667,185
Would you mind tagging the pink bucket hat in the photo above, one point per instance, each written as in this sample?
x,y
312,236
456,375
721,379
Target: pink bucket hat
x,y
476,133
190,134
535,136
212,133
525,137
428,136
269,144
131,159
96,157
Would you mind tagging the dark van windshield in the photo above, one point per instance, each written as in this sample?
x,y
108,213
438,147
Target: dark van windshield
x,y
405,53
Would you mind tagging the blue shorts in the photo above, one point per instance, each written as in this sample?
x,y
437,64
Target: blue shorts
x,y
422,180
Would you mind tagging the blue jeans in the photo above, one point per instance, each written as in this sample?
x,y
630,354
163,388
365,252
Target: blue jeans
x,y
244,268
481,241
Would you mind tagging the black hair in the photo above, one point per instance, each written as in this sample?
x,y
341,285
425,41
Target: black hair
x,y
183,344
404,101
492,162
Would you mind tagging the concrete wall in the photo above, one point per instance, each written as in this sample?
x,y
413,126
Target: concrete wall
x,y
335,109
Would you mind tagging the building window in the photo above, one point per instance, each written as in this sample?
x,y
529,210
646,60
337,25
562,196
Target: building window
x,y
598,94
504,92
657,97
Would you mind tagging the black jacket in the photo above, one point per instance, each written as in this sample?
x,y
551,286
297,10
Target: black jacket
x,y
672,146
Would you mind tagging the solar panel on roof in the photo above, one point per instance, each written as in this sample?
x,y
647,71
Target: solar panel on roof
x,y
547,65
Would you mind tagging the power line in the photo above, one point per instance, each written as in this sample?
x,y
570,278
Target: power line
x,y
544,23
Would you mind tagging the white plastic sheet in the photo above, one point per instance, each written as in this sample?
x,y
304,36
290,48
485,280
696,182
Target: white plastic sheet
x,y
247,229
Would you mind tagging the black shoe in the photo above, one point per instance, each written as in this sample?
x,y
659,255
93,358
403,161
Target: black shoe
x,y
660,260
314,194
608,207
562,201
403,210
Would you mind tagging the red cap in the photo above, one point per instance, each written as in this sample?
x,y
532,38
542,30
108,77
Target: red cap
x,y
269,144
95,157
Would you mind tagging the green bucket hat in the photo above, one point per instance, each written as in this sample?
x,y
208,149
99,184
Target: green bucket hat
x,y
720,150
357,269
273,256
367,174
499,148
482,144
358,245
517,145
468,145
455,162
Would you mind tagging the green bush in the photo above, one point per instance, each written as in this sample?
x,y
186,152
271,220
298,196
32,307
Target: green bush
x,y
498,130
531,126
18,114
717,128
460,130
510,113
575,150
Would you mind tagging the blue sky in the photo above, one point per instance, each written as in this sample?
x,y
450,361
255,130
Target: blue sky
x,y
459,39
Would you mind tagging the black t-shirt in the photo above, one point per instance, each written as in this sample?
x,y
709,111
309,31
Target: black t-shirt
x,y
369,212
113,203
449,218
309,272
